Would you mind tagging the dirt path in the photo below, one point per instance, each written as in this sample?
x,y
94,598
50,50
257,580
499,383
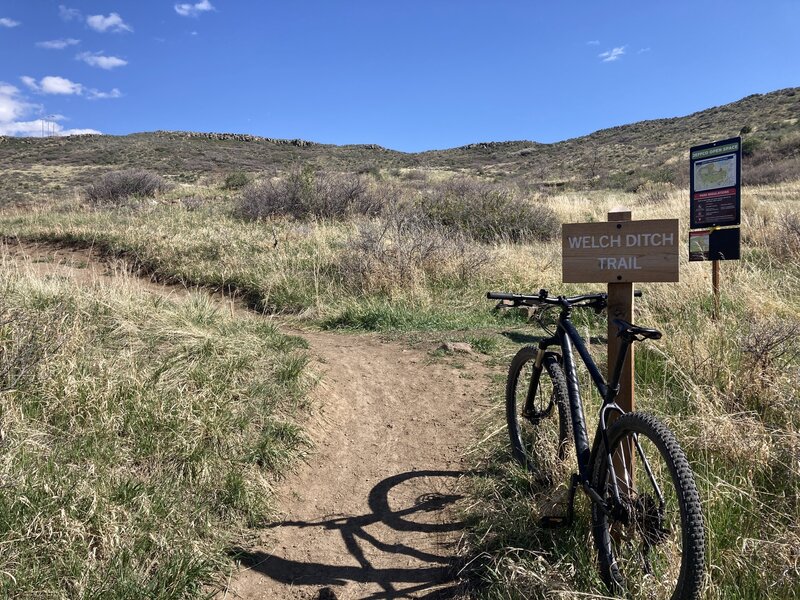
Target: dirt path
x,y
371,514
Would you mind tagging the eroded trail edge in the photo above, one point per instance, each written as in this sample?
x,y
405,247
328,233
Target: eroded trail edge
x,y
372,513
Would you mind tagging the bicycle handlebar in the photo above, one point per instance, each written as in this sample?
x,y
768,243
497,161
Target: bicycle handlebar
x,y
597,300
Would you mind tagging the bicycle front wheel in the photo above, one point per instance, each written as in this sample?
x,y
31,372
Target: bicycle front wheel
x,y
537,411
653,547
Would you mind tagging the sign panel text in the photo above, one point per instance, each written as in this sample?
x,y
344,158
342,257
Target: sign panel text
x,y
620,251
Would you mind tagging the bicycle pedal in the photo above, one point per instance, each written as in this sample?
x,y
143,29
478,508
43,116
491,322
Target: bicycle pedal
x,y
554,522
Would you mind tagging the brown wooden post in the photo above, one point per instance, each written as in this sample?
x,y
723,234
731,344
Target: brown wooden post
x,y
620,306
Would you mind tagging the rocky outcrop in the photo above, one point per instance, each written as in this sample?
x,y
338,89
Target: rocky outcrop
x,y
238,137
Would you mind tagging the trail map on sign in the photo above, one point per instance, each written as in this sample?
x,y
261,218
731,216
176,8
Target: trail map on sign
x,y
715,173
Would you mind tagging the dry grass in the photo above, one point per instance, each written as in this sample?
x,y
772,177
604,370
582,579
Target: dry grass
x,y
729,388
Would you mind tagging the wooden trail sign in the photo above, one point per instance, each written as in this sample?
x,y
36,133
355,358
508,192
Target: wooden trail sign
x,y
620,251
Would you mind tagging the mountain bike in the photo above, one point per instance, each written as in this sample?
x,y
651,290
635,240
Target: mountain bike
x,y
647,522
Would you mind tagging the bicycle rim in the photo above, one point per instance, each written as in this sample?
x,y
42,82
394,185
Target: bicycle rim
x,y
655,550
540,438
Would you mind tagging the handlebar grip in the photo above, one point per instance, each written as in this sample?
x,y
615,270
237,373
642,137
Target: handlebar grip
x,y
499,296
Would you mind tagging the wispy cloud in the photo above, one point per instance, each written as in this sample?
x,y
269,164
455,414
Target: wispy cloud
x,y
60,86
69,14
58,44
112,22
97,59
98,95
612,55
187,9
14,107
643,50
593,43
6,22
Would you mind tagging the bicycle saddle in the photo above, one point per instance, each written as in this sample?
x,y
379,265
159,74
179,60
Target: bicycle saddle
x,y
633,332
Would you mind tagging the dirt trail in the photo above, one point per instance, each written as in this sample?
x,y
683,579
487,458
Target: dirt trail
x,y
371,513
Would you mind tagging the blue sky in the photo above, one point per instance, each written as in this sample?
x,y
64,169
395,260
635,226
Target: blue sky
x,y
410,75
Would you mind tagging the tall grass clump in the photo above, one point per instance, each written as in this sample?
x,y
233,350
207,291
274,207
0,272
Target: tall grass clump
x,y
140,438
118,187
403,252
305,193
487,212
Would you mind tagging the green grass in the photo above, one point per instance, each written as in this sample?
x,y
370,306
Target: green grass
x,y
140,438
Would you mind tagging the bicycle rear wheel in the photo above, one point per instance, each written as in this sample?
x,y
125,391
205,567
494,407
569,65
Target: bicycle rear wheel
x,y
540,429
655,548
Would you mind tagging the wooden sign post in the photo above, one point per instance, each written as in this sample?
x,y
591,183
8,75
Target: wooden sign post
x,y
620,252
620,306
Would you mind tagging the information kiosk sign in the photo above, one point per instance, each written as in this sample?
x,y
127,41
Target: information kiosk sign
x,y
715,172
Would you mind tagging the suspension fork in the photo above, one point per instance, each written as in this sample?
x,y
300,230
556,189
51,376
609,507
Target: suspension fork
x,y
536,374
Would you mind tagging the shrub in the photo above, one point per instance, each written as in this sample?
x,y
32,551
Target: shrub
x,y
236,181
487,212
785,242
750,145
401,251
307,193
117,187
654,193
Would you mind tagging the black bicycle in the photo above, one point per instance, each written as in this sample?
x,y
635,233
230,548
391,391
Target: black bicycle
x,y
647,522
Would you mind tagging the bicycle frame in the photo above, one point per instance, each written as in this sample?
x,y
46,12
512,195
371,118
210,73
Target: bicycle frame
x,y
568,339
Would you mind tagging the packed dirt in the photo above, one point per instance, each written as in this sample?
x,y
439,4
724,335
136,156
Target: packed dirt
x,y
373,512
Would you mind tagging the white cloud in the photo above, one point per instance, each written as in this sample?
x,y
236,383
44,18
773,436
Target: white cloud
x,y
64,87
39,127
58,44
643,50
101,62
112,22
59,86
13,107
30,82
593,43
98,95
69,14
6,22
613,54
188,9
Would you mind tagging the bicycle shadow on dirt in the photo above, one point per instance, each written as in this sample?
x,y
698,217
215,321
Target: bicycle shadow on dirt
x,y
436,573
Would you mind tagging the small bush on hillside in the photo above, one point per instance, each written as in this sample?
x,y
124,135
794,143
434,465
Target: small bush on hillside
x,y
771,172
236,181
750,145
654,193
785,239
117,187
487,212
402,252
307,193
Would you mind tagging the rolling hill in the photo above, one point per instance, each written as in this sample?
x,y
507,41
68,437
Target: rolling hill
x,y
620,157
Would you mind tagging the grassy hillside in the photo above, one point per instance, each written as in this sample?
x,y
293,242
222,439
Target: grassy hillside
x,y
619,158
